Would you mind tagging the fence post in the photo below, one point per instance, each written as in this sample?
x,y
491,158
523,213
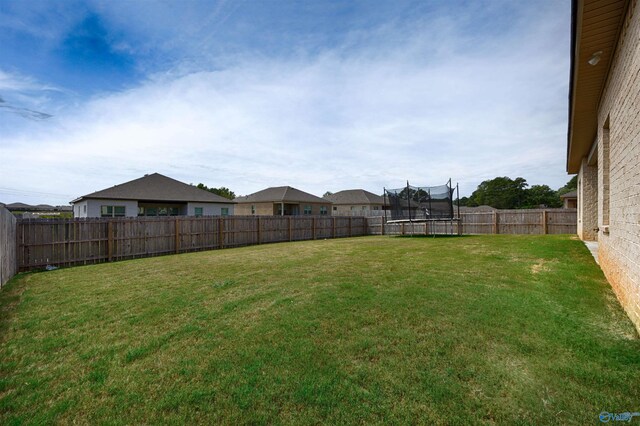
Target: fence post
x,y
177,224
110,240
495,223
544,222
289,228
313,227
333,227
350,231
258,226
382,225
220,233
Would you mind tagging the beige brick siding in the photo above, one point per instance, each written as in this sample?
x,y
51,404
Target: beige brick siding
x,y
587,201
619,251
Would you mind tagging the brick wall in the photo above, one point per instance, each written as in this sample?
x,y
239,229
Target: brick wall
x,y
587,201
620,106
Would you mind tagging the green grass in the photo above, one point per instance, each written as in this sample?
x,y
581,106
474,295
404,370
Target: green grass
x,y
486,329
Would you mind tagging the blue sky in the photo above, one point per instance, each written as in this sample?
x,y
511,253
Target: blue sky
x,y
323,96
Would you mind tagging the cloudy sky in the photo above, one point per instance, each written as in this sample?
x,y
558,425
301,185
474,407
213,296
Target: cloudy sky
x,y
319,95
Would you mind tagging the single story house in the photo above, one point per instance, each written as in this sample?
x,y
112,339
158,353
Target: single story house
x,y
152,195
356,202
281,201
570,200
603,145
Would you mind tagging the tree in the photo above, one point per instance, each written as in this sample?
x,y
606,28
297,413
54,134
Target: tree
x,y
570,186
500,193
328,193
541,196
222,191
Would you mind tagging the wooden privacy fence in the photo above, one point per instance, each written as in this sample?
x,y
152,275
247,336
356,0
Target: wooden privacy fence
x,y
68,242
8,261
535,221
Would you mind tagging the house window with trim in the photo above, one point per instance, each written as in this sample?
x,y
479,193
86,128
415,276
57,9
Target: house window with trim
x,y
307,210
198,211
323,210
253,209
335,208
112,211
224,211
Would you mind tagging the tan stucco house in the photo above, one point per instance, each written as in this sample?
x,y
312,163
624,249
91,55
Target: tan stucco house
x,y
152,195
355,202
281,201
604,138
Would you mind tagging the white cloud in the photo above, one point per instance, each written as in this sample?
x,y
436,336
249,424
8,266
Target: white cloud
x,y
416,107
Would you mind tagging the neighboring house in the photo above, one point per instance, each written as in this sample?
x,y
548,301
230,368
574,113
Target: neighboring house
x,y
356,202
152,195
570,200
28,211
604,138
281,201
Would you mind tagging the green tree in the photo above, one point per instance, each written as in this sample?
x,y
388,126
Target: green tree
x,y
500,193
541,196
222,191
328,193
570,186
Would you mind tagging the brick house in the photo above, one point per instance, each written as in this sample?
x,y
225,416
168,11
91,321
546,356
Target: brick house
x,y
152,195
604,138
356,202
281,201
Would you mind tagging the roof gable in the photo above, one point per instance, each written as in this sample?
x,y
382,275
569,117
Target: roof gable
x,y
281,194
157,187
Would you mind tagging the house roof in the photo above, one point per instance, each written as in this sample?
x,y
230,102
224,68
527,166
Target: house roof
x,y
354,196
281,194
156,187
596,26
570,194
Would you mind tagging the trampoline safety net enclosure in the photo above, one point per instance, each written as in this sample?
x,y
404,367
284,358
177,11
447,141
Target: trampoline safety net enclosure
x,y
420,203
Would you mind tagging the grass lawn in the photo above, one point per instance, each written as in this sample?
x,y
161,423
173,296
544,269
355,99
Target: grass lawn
x,y
476,329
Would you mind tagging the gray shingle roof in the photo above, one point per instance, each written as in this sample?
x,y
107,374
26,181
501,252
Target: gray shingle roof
x,y
156,187
281,194
355,196
570,194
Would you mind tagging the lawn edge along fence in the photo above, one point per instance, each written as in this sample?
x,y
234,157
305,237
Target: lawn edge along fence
x,y
69,242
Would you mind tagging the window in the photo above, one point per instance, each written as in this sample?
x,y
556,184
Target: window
x,y
376,207
353,208
174,211
112,211
140,211
307,210
224,211
335,208
323,210
84,208
151,211
253,209
198,211
163,211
